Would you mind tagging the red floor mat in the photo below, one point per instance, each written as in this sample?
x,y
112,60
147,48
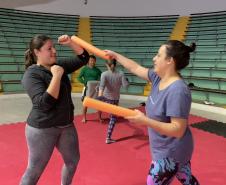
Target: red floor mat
x,y
124,162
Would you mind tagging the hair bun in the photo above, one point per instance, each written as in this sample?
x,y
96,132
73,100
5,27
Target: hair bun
x,y
192,47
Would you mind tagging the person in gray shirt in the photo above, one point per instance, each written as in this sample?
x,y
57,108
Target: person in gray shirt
x,y
109,91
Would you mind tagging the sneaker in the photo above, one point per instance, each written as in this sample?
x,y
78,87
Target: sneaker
x,y
109,141
84,120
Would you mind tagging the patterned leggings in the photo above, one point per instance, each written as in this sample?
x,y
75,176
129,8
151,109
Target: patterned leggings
x,y
112,117
163,171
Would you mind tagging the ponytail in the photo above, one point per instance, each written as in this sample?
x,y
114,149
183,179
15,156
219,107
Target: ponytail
x,y
29,58
192,47
112,64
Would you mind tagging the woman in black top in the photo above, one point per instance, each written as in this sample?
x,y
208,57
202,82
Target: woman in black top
x,y
50,122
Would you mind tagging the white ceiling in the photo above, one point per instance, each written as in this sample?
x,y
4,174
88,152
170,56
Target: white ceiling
x,y
117,7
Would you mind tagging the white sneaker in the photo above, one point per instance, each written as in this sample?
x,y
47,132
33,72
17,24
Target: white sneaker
x,y
109,141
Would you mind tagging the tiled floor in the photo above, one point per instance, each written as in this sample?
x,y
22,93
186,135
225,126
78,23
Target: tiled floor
x,y
15,107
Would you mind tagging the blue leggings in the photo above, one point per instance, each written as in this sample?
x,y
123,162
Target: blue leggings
x,y
163,171
41,143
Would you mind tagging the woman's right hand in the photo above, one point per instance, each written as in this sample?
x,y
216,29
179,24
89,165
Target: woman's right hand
x,y
54,86
57,71
112,55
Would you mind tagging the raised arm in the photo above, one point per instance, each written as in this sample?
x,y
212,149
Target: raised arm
x,y
129,64
72,64
66,40
54,86
35,85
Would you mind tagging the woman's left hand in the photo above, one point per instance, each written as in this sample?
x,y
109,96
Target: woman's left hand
x,y
139,118
64,40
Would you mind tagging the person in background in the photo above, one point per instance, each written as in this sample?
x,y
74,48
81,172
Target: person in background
x,y
89,76
50,122
109,92
167,110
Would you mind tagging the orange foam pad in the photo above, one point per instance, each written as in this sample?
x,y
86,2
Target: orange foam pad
x,y
100,53
109,108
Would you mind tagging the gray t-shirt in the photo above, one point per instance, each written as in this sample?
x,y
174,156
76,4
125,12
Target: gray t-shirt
x,y
111,82
173,101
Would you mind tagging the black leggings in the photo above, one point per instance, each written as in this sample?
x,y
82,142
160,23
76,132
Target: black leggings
x,y
41,143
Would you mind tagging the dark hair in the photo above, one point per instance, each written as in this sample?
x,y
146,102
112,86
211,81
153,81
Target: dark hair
x,y
92,56
180,52
36,43
112,64
191,85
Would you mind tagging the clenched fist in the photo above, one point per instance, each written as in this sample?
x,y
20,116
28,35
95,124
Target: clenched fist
x,y
64,40
57,71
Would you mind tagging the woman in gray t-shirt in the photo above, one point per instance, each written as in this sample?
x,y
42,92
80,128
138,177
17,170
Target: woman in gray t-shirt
x,y
167,111
109,91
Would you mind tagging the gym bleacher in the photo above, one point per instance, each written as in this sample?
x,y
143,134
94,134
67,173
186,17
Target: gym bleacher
x,y
207,69
16,30
137,38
